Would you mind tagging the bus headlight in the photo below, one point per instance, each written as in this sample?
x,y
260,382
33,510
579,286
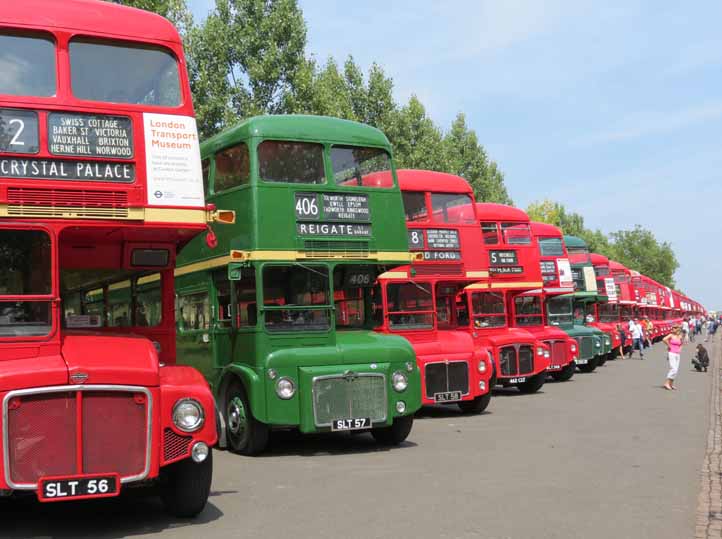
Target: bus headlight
x,y
285,388
597,344
539,351
547,355
399,381
574,348
401,407
481,366
188,415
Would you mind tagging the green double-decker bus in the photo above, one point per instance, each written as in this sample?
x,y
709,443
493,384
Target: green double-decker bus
x,y
279,315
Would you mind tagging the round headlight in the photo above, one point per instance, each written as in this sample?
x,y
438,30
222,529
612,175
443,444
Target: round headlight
x,y
188,415
482,385
481,366
285,388
200,452
399,381
539,351
597,344
574,348
401,407
547,354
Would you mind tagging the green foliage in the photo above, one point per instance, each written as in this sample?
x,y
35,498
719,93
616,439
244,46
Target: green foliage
x,y
637,249
249,57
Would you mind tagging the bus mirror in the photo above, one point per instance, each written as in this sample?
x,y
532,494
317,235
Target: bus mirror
x,y
235,272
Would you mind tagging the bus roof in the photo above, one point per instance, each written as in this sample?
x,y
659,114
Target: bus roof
x,y
300,127
102,17
489,211
545,229
429,180
574,241
618,266
598,260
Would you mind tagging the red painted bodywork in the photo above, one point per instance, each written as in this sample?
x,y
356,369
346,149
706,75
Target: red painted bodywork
x,y
106,356
602,272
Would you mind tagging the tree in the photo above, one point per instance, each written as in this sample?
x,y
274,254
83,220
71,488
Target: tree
x,y
245,59
556,214
640,250
416,140
465,157
175,11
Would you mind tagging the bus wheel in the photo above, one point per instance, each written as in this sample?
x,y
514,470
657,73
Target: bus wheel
x,y
534,384
589,367
601,360
566,373
477,405
396,433
246,435
185,486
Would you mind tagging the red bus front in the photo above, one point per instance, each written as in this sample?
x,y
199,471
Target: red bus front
x,y
100,185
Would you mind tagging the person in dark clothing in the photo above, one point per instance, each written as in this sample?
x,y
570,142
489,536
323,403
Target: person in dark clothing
x,y
701,359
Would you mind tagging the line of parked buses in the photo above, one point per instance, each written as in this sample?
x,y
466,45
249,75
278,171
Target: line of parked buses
x,y
158,296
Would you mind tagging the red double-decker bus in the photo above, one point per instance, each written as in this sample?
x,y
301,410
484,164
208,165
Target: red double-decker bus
x,y
100,185
419,301
501,316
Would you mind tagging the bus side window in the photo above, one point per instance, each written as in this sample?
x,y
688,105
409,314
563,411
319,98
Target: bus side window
x,y
223,295
247,315
232,168
194,311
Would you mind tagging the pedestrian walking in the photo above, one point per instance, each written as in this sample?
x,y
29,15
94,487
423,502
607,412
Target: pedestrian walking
x,y
635,330
685,330
648,330
692,328
674,348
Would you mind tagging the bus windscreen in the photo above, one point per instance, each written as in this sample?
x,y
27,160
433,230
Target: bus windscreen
x,y
27,64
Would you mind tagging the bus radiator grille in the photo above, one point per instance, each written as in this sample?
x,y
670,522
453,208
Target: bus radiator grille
x,y
349,396
508,361
443,377
42,430
586,347
526,359
558,351
34,202
175,446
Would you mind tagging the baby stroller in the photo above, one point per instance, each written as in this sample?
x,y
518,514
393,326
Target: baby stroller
x,y
701,359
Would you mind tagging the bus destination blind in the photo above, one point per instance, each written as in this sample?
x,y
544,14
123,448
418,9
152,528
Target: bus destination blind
x,y
330,214
90,135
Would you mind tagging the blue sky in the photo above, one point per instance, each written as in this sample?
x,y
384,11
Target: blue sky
x,y
612,108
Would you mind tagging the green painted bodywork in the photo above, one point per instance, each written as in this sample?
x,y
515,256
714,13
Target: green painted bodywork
x,y
266,223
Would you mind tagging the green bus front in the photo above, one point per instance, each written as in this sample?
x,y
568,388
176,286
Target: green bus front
x,y
279,315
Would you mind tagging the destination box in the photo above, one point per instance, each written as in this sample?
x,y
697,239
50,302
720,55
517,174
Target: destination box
x,y
19,131
333,229
439,238
90,135
56,169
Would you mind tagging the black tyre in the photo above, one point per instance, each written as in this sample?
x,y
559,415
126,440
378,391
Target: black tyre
x,y
589,367
185,486
534,384
245,434
566,373
601,360
476,406
396,433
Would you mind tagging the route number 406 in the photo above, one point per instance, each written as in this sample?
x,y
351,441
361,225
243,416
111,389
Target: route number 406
x,y
306,206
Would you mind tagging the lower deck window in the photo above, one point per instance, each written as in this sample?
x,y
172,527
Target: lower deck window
x,y
410,306
296,298
488,309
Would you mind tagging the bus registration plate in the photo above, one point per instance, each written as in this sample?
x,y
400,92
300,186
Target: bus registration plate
x,y
519,380
581,361
351,424
56,489
448,396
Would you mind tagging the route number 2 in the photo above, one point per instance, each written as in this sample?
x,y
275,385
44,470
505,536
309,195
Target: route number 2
x,y
14,141
18,131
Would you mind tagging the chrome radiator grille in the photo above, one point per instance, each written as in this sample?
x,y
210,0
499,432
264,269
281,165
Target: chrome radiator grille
x,y
349,396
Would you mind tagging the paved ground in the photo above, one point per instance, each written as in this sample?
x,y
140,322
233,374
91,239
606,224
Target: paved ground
x,y
608,454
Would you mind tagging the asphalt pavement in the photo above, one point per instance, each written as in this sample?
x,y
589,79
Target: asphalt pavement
x,y
607,454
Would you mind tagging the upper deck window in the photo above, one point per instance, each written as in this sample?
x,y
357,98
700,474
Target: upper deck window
x,y
452,208
25,257
124,73
490,233
358,166
551,247
233,168
415,206
516,233
291,162
27,64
